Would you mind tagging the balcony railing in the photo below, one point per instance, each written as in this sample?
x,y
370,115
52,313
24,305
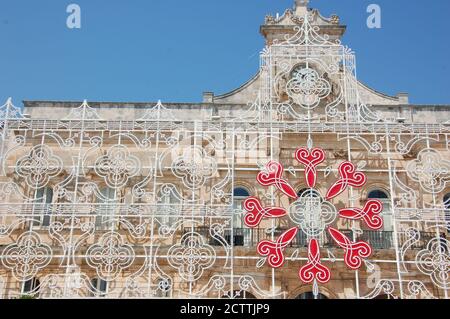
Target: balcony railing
x,y
250,237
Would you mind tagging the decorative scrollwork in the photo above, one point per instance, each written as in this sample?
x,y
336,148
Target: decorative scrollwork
x,y
191,257
117,166
26,256
430,170
39,166
435,261
195,167
307,88
110,256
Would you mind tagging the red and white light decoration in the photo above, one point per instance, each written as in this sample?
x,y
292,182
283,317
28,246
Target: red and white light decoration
x,y
256,213
274,250
311,159
349,177
308,212
370,214
273,176
354,252
314,270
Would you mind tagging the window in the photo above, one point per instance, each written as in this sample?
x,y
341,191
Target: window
x,y
383,239
106,208
240,195
312,198
310,295
447,202
241,234
99,287
308,192
447,210
43,199
168,207
378,194
387,213
31,287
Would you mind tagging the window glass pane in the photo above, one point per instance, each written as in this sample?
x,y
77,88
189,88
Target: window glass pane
x,y
310,295
447,208
48,201
40,195
48,195
447,201
27,286
31,285
103,286
241,192
378,194
100,286
43,196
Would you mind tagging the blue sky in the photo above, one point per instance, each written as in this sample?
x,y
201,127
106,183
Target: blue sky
x,y
145,50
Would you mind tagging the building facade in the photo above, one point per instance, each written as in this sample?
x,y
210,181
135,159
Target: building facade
x,y
263,192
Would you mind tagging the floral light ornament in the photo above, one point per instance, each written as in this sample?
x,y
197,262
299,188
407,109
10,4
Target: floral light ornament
x,y
313,215
110,256
307,88
191,257
39,166
434,261
27,256
430,170
314,270
195,167
117,166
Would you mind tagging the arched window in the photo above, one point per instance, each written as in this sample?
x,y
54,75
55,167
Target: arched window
x,y
378,194
383,239
31,287
240,194
312,196
99,287
387,212
447,207
43,199
310,295
241,234
311,192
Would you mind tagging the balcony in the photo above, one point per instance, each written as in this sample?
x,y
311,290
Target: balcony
x,y
247,237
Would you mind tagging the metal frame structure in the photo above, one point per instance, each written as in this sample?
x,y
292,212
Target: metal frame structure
x,y
143,208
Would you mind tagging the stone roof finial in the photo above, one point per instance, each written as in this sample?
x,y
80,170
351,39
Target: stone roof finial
x,y
301,3
301,7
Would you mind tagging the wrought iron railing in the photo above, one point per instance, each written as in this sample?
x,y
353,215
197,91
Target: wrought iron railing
x,y
379,239
418,242
250,237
